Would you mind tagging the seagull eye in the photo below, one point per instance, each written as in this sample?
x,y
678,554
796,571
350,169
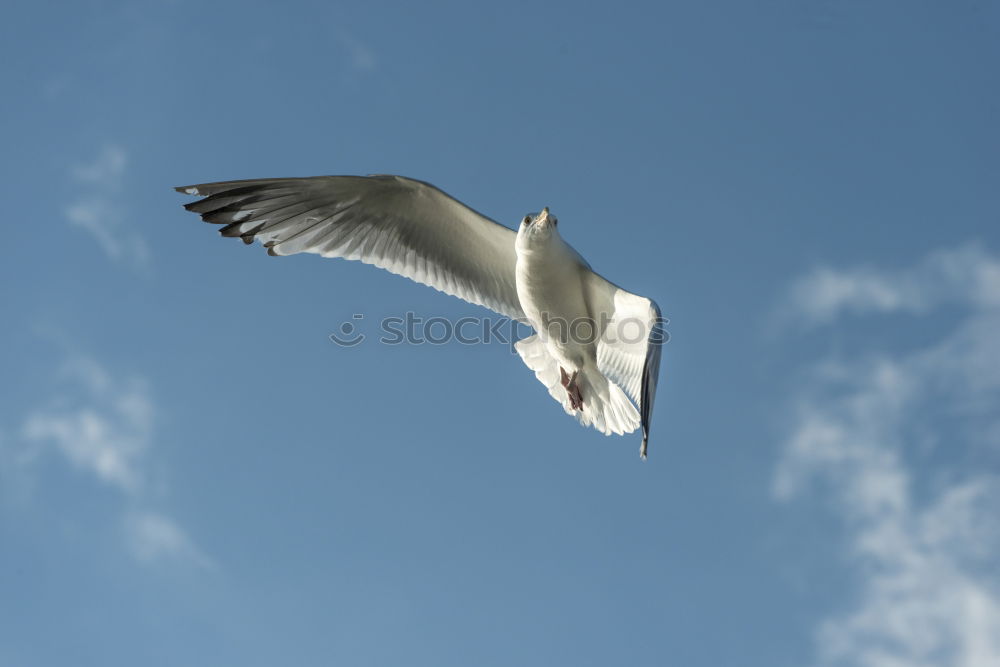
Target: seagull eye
x,y
526,220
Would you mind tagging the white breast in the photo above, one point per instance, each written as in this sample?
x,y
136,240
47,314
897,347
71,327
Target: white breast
x,y
550,286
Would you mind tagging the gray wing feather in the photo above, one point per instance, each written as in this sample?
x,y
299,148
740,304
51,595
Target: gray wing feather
x,y
405,226
650,375
629,347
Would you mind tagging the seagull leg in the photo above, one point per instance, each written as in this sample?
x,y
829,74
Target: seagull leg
x,y
572,390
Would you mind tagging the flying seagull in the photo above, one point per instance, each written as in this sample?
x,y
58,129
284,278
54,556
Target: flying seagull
x,y
596,345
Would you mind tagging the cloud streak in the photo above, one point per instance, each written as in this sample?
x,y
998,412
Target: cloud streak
x,y
155,537
103,427
99,212
922,537
362,58
966,275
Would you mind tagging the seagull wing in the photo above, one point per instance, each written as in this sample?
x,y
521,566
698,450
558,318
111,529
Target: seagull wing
x,y
629,346
405,226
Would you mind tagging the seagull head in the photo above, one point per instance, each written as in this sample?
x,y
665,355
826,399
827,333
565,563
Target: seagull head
x,y
538,227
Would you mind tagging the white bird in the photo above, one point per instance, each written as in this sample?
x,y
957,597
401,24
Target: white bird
x,y
596,345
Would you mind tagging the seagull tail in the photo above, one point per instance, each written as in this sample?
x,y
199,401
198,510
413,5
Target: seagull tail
x,y
605,405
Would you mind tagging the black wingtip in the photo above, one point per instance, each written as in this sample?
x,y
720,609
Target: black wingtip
x,y
187,190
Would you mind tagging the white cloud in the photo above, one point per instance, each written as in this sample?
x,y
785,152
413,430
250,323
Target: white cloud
x,y
103,426
922,536
106,170
153,537
965,275
362,58
99,212
99,426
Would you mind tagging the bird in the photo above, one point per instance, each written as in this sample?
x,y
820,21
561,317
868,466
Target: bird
x,y
596,347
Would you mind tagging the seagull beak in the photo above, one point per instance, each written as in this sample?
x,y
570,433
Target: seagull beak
x,y
547,218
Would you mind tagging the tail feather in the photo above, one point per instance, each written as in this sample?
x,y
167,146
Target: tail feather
x,y
605,405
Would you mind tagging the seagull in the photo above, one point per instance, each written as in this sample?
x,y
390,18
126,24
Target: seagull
x,y
596,346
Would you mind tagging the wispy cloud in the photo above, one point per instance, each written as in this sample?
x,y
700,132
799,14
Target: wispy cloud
x,y
965,275
153,537
98,425
103,427
923,536
98,209
106,170
362,58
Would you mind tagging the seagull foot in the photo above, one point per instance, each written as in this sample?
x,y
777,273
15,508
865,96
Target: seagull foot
x,y
572,390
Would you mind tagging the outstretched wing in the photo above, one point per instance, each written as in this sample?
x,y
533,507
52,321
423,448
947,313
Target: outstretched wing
x,y
629,345
402,225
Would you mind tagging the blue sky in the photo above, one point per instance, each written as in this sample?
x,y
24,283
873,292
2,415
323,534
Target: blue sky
x,y
191,473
